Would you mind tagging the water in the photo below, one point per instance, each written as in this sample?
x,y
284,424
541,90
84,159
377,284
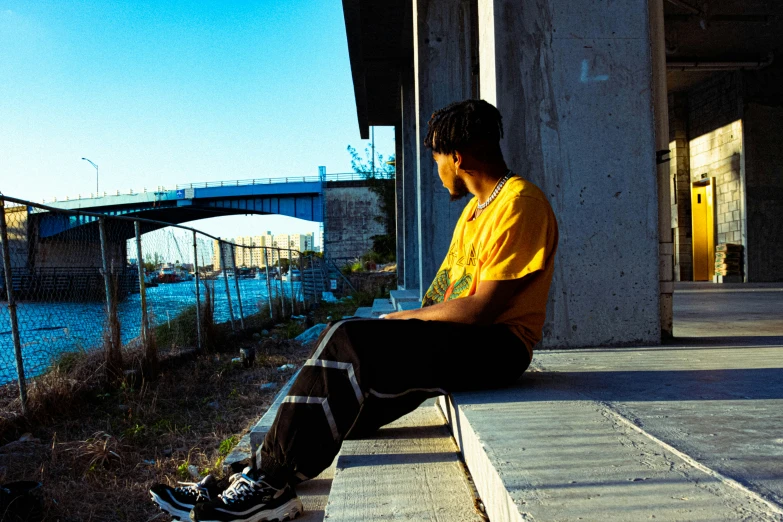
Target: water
x,y
49,329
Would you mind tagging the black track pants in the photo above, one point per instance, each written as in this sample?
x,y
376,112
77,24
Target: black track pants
x,y
365,373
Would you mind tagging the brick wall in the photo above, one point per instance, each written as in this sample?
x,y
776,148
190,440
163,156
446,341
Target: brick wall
x,y
718,154
716,150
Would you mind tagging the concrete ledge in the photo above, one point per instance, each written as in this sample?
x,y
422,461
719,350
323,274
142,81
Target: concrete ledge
x,y
251,441
382,306
409,471
364,312
409,305
572,442
403,296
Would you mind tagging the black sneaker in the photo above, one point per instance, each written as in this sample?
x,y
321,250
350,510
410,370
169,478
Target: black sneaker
x,y
178,501
249,500
21,502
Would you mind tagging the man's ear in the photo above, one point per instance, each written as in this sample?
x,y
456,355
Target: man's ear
x,y
457,156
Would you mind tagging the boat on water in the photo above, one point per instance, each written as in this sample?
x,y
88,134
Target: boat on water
x,y
173,275
168,275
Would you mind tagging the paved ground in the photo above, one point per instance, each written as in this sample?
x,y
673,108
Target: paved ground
x,y
744,314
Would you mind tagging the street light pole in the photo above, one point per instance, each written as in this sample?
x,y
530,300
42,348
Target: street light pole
x,y
96,175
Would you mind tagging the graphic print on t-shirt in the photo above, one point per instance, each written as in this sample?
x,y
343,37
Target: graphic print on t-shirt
x,y
443,288
466,257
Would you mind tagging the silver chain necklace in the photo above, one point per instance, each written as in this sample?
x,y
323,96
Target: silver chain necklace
x,y
482,206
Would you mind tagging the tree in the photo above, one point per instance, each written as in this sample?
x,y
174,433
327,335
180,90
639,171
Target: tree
x,y
380,175
152,262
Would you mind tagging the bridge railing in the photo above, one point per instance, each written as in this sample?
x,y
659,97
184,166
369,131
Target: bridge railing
x,y
343,176
346,176
110,287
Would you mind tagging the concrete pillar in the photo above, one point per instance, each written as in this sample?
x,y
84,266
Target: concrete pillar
x,y
573,83
680,171
442,75
408,171
399,214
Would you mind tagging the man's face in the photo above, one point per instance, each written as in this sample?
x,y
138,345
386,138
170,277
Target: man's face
x,y
447,171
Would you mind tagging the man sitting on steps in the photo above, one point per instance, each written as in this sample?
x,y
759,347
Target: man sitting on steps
x,y
480,319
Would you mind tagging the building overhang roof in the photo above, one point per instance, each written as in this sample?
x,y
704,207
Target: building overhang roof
x,y
380,44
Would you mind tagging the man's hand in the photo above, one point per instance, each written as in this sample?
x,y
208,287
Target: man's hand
x,y
484,307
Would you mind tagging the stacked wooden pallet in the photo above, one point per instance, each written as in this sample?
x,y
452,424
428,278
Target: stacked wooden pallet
x,y
728,259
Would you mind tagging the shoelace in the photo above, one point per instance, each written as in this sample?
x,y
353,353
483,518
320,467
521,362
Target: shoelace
x,y
194,488
241,486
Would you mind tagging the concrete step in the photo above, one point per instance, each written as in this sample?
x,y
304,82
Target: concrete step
x,y
382,306
408,305
617,435
403,296
410,471
364,312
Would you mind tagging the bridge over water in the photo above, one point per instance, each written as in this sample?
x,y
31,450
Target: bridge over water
x,y
46,242
301,197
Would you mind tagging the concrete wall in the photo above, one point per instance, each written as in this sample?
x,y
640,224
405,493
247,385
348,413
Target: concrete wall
x,y
57,253
574,84
16,228
764,184
680,172
351,209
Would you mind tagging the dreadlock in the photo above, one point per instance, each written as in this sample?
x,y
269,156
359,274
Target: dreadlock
x,y
463,125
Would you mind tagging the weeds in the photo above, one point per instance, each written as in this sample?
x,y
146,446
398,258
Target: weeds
x,y
99,451
227,445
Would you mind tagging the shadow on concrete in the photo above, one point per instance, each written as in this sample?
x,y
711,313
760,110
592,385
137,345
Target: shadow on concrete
x,y
389,459
407,432
730,341
636,386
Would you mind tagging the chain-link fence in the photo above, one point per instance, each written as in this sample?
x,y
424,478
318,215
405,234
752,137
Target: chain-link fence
x,y
81,282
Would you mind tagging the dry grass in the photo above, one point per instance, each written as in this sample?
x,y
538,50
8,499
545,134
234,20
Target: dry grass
x,y
97,450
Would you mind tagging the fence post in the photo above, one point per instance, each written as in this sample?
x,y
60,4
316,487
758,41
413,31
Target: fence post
x,y
142,288
115,355
312,276
198,294
225,279
9,289
236,285
304,277
291,280
268,286
280,275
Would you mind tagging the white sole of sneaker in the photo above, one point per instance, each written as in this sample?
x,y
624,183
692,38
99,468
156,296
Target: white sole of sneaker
x,y
174,511
288,511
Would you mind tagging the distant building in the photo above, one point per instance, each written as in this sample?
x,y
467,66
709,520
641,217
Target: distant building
x,y
249,253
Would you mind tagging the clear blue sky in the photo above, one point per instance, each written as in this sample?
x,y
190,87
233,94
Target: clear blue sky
x,y
159,93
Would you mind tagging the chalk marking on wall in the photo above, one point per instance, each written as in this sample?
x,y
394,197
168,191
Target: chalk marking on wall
x,y
586,78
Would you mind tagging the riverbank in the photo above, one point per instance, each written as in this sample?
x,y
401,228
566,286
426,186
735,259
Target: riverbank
x,y
97,450
99,454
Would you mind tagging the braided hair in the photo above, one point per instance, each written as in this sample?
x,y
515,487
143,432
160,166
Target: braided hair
x,y
464,125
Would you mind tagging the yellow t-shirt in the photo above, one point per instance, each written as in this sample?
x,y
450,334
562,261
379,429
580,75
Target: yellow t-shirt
x,y
514,237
